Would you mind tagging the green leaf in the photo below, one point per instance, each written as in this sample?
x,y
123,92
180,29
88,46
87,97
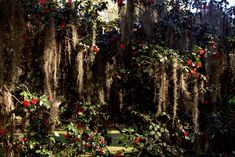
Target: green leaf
x,y
56,134
52,139
159,134
152,133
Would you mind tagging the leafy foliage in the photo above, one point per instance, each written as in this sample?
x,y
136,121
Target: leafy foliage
x,y
157,136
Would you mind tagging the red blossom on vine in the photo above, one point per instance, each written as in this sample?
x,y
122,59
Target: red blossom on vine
x,y
188,62
25,103
34,101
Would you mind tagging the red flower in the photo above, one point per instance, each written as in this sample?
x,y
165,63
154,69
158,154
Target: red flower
x,y
137,139
24,139
86,145
26,103
188,62
43,1
49,98
198,65
34,101
95,49
186,133
193,71
102,140
62,24
120,3
122,46
202,52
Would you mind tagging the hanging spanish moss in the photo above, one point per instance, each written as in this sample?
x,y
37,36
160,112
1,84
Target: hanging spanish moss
x,y
80,70
155,85
183,86
68,49
120,94
94,35
75,38
163,93
7,118
128,17
195,112
50,63
7,105
175,89
101,96
108,79
87,85
232,63
56,63
54,112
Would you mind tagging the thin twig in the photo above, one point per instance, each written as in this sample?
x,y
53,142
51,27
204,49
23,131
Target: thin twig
x,y
9,93
26,88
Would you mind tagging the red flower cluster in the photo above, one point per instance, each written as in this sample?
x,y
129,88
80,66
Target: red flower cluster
x,y
194,66
26,103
